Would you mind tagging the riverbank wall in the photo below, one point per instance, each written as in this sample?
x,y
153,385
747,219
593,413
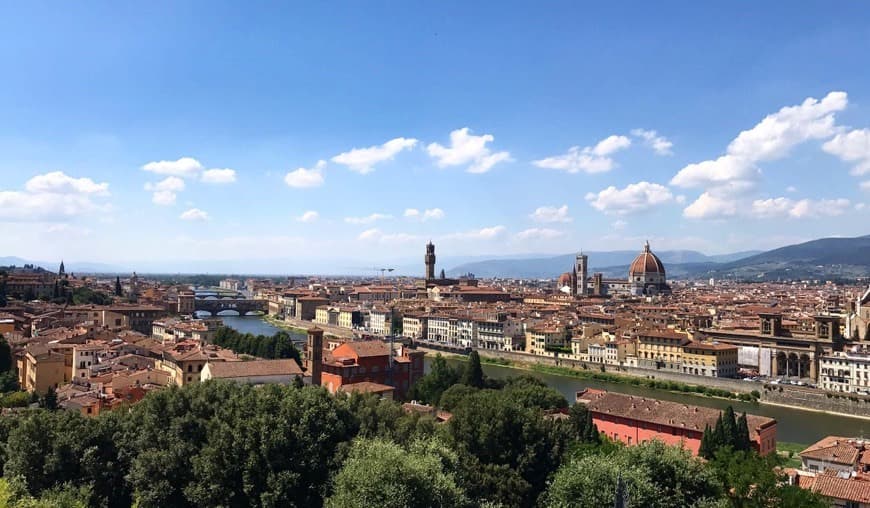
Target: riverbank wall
x,y
732,385
303,327
783,395
818,400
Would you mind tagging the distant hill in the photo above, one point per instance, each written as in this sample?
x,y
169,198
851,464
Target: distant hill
x,y
70,266
608,262
824,258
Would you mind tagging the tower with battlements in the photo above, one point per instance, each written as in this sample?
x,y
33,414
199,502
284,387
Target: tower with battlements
x,y
429,259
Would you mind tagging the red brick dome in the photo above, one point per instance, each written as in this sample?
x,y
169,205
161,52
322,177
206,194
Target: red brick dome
x,y
646,262
565,279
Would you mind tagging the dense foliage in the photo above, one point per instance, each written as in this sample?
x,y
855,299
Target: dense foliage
x,y
508,443
729,431
279,345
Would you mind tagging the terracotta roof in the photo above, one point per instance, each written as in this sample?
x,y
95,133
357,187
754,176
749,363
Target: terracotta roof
x,y
646,262
834,449
662,412
368,348
366,387
834,487
229,370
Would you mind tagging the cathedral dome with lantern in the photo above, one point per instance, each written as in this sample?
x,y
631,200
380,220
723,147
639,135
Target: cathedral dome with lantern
x,y
646,274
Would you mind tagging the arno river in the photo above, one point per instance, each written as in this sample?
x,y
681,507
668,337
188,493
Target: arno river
x,y
794,425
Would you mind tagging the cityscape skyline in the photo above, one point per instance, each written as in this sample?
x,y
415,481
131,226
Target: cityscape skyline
x,y
326,137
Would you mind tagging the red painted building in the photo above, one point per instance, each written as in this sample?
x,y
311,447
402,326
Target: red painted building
x,y
369,361
632,420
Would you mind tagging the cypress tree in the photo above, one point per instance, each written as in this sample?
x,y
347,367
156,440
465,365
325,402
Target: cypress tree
x,y
719,440
743,441
706,449
49,401
118,290
729,428
473,375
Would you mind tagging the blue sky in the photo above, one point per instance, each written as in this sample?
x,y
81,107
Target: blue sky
x,y
92,94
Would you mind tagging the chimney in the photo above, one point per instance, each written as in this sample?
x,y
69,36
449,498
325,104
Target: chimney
x,y
314,355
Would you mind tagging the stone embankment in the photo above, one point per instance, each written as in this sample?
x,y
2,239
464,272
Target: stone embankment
x,y
784,395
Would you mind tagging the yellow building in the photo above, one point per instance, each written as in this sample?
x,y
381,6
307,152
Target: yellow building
x,y
539,339
660,349
711,359
40,368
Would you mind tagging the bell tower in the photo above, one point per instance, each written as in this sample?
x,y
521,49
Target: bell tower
x,y
581,269
429,259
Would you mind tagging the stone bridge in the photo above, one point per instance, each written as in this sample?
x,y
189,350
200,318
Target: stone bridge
x,y
240,305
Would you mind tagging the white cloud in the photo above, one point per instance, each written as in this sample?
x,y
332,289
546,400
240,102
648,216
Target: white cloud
x,y
51,196
57,182
798,209
377,235
479,234
713,173
727,178
710,206
305,178
791,188
165,191
852,146
806,208
865,185
466,148
634,197
619,224
194,214
590,159
363,160
219,176
428,214
860,206
184,167
774,136
660,144
309,216
551,214
368,219
538,234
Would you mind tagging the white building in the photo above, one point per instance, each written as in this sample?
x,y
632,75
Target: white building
x,y
845,372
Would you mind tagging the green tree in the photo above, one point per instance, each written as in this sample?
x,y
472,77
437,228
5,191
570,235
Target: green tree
x,y
590,482
583,428
729,427
473,374
441,376
498,431
381,473
743,441
119,291
654,474
6,362
751,481
707,448
49,400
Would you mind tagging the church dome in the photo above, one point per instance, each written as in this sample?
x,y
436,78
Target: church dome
x,y
646,262
565,279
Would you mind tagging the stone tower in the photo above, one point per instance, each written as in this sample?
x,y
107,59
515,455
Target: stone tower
x,y
581,269
314,355
430,260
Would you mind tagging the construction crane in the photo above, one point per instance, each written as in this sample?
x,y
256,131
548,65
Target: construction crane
x,y
383,271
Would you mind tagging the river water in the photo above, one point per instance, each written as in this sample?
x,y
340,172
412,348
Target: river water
x,y
794,425
256,325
